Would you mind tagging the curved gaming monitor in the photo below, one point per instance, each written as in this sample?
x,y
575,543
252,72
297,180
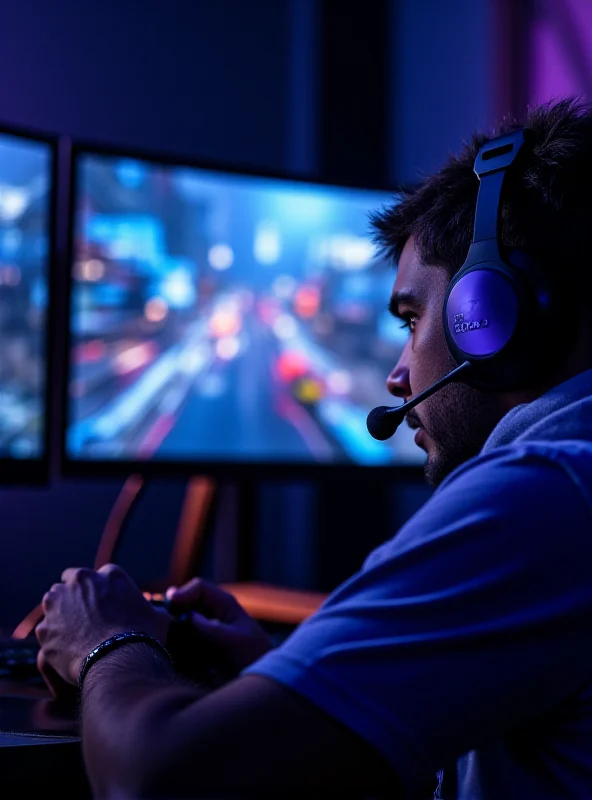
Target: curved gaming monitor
x,y
27,208
223,322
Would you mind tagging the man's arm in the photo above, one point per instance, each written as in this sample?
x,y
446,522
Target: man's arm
x,y
146,734
474,620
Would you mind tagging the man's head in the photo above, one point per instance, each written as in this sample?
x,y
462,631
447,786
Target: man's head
x,y
546,210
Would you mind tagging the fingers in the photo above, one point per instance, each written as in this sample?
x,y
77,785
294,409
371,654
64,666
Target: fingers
x,y
210,630
218,603
205,596
54,681
109,571
50,597
76,574
41,632
114,573
80,573
42,663
189,591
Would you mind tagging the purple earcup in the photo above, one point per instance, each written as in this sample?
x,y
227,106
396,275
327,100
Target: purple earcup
x,y
482,312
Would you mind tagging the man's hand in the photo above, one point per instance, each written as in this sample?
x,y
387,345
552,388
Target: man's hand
x,y
84,610
234,638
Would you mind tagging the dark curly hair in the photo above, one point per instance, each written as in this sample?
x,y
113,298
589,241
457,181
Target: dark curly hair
x,y
546,202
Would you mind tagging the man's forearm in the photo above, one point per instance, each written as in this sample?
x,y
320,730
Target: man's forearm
x,y
128,698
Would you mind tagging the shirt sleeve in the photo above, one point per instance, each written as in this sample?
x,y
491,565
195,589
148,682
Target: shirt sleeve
x,y
475,618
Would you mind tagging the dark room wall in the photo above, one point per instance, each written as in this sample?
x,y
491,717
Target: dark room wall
x,y
187,76
443,80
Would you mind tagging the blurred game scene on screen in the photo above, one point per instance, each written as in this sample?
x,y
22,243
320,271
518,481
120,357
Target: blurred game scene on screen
x,y
25,220
221,317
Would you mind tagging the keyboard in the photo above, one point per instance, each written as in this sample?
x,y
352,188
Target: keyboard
x,y
18,659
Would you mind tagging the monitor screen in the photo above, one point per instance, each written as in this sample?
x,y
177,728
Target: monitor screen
x,y
226,318
26,207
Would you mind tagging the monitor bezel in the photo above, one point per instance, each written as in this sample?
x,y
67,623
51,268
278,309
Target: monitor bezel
x,y
36,471
177,468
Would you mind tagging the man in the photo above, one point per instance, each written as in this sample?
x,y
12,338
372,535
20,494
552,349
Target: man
x,y
464,639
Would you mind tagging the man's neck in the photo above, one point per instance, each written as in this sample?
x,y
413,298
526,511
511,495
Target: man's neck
x,y
510,400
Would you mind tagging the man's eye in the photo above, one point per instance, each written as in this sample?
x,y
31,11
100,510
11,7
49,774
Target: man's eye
x,y
409,322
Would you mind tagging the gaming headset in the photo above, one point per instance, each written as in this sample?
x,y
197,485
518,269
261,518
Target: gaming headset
x,y
497,307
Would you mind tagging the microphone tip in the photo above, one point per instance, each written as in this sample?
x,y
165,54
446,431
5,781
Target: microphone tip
x,y
382,422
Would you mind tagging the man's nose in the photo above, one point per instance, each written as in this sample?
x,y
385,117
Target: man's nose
x,y
397,382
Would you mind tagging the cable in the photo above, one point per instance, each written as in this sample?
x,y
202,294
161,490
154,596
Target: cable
x,y
120,513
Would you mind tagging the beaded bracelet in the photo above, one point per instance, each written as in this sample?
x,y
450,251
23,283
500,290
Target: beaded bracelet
x,y
117,641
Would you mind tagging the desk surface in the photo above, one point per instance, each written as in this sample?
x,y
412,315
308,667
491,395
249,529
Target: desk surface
x,y
30,710
39,746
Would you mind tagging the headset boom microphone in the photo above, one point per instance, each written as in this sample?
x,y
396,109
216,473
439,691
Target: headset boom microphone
x,y
383,421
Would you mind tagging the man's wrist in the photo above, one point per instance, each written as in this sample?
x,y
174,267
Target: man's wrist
x,y
137,662
115,642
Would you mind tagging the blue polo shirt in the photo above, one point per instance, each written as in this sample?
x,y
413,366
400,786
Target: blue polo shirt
x,y
467,638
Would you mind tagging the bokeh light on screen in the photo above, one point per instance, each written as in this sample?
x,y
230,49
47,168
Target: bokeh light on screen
x,y
236,318
25,174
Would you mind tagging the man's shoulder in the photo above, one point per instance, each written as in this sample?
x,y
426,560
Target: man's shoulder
x,y
522,463
516,498
524,485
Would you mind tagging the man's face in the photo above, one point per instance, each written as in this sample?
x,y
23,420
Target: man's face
x,y
454,423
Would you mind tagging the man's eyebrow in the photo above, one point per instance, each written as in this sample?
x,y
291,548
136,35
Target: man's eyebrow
x,y
403,298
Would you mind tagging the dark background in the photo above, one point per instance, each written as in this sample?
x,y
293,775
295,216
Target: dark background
x,y
371,92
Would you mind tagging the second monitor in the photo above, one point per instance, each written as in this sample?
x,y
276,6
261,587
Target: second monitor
x,y
221,318
27,207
